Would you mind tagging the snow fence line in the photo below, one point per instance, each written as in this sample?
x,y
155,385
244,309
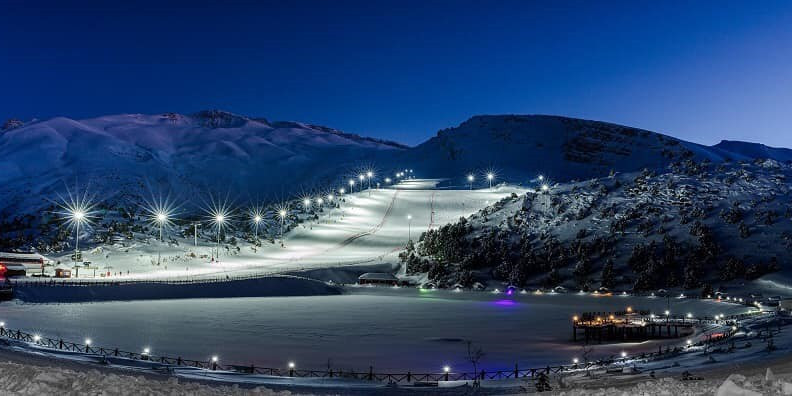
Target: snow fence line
x,y
105,355
243,286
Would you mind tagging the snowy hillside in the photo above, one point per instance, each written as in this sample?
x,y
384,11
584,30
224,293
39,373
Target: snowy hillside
x,y
211,151
696,223
519,147
754,150
122,160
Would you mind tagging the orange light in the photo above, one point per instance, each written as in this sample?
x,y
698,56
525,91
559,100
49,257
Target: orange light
x,y
575,318
629,309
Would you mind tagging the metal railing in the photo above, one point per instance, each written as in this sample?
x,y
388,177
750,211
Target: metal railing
x,y
370,375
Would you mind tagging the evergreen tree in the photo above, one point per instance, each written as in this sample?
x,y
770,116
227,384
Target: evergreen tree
x,y
608,278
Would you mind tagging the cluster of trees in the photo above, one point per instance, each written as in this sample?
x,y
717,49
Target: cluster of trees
x,y
522,249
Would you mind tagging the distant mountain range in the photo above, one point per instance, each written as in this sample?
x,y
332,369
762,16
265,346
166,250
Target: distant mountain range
x,y
122,156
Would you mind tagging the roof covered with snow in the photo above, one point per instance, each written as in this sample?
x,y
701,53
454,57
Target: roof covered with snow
x,y
381,276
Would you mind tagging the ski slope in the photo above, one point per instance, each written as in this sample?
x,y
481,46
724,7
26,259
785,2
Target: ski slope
x,y
369,227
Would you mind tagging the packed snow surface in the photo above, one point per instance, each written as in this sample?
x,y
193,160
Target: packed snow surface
x,y
369,227
393,330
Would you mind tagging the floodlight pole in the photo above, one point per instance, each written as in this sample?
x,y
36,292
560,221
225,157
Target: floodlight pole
x,y
77,242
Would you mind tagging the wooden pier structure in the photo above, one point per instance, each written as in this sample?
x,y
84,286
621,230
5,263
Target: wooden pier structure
x,y
630,326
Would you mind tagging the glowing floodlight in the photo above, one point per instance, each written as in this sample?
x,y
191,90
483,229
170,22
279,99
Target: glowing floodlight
x,y
291,365
36,338
219,217
214,359
624,354
545,188
282,213
146,350
575,360
446,369
76,211
470,179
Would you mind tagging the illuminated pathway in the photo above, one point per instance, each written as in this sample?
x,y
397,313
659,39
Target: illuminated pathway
x,y
367,229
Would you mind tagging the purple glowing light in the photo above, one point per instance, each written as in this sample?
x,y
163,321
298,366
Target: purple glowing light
x,y
505,303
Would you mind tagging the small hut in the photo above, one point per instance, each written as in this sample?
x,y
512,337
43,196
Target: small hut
x,y
378,278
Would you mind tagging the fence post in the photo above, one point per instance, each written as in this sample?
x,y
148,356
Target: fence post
x,y
516,371
409,377
371,373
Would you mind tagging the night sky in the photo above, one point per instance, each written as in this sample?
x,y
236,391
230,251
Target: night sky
x,y
701,71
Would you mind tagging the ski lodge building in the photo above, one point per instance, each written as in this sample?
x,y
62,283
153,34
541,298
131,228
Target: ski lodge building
x,y
20,264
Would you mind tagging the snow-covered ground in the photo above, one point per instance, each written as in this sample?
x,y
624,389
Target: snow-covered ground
x,y
369,227
394,330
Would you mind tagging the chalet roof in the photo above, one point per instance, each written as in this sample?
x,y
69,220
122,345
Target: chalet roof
x,y
380,276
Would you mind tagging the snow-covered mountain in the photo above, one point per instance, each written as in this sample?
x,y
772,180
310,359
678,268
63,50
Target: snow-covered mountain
x,y
207,152
123,159
519,147
696,223
754,150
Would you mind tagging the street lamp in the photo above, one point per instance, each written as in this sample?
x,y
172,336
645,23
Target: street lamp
x,y
256,222
490,177
219,219
351,186
78,217
369,175
161,218
470,179
409,227
387,180
282,215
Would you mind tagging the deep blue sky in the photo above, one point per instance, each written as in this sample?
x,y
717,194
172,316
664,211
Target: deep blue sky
x,y
402,70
